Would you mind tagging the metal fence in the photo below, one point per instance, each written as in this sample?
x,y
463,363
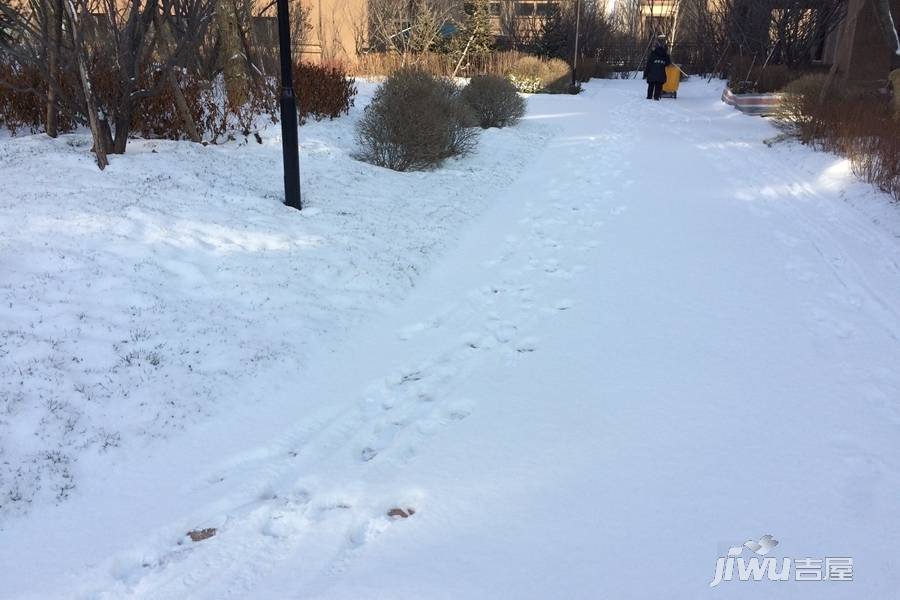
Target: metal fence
x,y
692,58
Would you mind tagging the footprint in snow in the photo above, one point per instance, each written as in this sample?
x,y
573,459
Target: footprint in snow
x,y
527,345
459,410
549,243
477,341
564,304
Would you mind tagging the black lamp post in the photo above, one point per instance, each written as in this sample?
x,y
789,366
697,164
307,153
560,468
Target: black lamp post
x,y
289,147
575,55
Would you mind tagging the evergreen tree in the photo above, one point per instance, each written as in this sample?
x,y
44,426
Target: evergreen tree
x,y
475,32
554,34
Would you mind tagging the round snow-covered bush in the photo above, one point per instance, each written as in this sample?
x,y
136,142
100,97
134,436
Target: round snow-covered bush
x,y
494,101
414,122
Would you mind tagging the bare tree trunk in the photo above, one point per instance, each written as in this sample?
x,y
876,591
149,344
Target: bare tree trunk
x,y
894,79
233,62
100,140
183,110
180,103
55,17
123,126
462,56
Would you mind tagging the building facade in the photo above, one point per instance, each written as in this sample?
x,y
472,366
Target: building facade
x,y
859,49
338,30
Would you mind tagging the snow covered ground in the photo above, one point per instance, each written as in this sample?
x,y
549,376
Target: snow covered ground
x,y
134,302
621,339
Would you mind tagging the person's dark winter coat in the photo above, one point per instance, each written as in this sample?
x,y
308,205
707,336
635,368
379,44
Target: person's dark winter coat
x,y
655,71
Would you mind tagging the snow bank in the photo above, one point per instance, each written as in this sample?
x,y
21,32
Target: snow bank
x,y
134,300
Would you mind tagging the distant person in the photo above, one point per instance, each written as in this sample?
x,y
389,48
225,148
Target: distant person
x,y
655,71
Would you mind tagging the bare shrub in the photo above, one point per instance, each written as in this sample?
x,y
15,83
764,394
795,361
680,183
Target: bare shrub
x,y
876,157
323,91
158,116
529,74
746,76
494,101
559,77
801,107
414,122
852,123
263,95
532,75
215,117
22,104
595,68
378,64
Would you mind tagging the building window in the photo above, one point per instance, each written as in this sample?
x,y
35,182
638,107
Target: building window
x,y
545,8
525,9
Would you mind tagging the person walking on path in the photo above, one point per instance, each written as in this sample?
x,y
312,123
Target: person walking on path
x,y
655,71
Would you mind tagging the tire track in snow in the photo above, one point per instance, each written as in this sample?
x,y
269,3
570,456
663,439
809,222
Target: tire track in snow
x,y
827,246
760,165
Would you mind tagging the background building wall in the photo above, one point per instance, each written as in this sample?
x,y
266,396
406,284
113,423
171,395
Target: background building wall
x,y
338,30
861,53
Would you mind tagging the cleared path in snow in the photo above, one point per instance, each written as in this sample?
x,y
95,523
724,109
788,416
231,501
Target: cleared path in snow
x,y
664,340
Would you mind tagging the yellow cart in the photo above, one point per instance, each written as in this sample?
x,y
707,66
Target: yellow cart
x,y
673,78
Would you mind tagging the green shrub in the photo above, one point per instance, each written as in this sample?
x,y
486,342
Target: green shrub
x,y
494,101
414,122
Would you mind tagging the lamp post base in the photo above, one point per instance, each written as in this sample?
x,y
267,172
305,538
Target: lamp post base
x,y
290,149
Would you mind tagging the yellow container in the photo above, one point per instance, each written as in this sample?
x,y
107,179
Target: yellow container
x,y
673,78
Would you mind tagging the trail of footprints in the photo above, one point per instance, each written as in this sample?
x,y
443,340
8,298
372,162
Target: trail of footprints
x,y
394,417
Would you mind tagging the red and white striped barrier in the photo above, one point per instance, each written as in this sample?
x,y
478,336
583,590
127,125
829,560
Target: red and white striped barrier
x,y
752,104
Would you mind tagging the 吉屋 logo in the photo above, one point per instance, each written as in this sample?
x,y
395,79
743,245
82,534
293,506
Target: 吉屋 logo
x,y
759,566
762,547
